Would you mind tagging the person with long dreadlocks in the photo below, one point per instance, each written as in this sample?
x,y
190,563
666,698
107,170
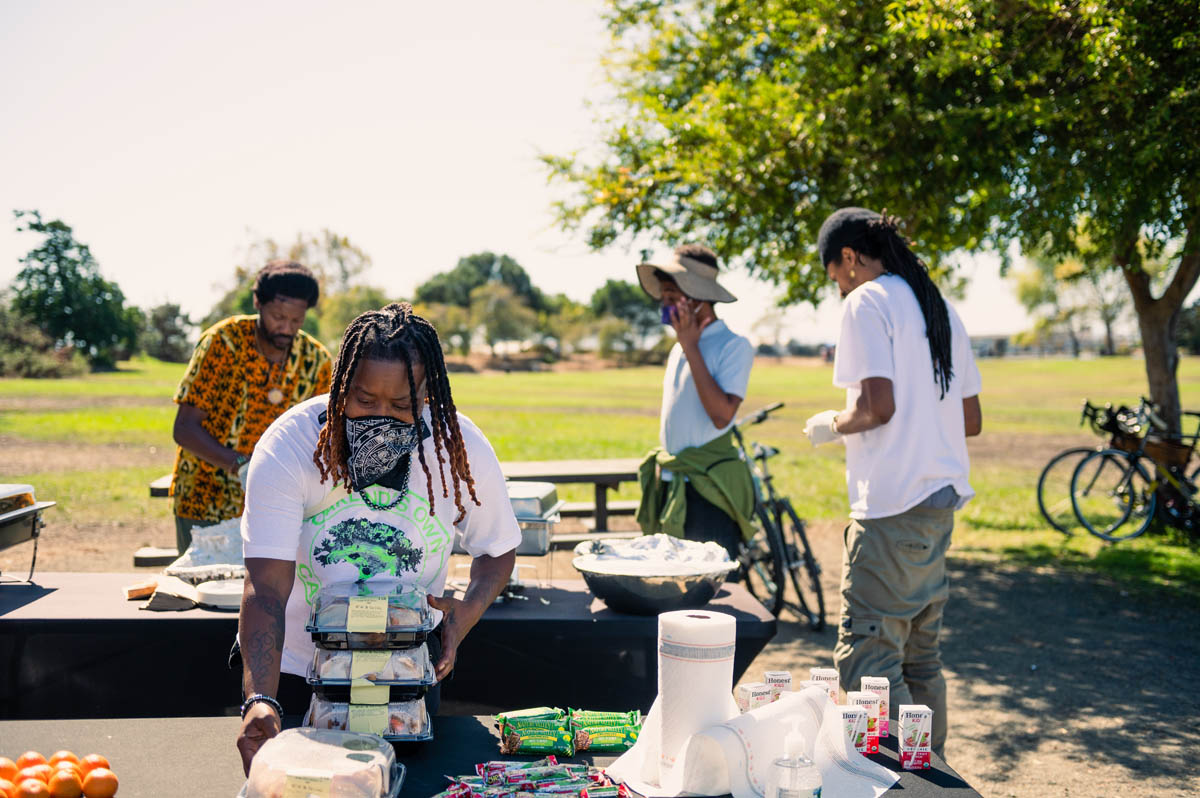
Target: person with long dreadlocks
x,y
367,485
912,399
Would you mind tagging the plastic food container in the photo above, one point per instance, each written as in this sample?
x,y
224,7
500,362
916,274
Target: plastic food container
x,y
373,621
339,764
400,721
388,676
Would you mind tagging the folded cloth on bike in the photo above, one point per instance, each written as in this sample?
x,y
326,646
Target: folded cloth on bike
x,y
714,470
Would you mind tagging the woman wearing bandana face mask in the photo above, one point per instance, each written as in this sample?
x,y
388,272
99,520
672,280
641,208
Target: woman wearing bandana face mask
x,y
366,486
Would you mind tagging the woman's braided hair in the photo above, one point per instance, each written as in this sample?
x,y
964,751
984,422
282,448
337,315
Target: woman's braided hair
x,y
883,240
396,334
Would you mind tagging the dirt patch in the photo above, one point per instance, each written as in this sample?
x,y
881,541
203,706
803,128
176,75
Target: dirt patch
x,y
1023,449
27,457
55,404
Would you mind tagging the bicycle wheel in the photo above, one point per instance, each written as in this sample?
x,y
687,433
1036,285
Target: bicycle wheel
x,y
1110,489
761,560
1054,489
802,567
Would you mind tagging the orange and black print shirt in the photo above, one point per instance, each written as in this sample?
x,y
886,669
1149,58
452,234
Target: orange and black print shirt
x,y
233,383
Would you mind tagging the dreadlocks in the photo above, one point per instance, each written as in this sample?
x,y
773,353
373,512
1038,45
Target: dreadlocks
x,y
396,334
877,236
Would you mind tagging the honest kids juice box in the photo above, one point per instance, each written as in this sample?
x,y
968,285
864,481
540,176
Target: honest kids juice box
x,y
880,686
916,729
778,681
870,703
828,676
855,719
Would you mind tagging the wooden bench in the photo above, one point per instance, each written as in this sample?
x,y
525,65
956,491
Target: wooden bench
x,y
603,474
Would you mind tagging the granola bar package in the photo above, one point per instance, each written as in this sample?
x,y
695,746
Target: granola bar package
x,y
535,737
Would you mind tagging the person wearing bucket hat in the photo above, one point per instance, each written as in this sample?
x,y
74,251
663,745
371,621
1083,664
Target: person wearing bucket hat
x,y
693,485
912,399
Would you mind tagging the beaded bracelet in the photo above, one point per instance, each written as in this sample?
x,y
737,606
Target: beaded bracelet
x,y
266,699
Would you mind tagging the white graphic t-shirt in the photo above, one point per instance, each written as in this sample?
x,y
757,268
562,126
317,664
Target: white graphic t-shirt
x,y
335,538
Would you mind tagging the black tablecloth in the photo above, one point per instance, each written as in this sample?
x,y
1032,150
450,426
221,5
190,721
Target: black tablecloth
x,y
158,757
72,647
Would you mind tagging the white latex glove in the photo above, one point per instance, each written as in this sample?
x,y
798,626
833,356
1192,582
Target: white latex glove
x,y
819,428
242,473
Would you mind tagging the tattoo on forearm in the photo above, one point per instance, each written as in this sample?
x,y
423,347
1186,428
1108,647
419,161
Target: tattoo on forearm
x,y
262,648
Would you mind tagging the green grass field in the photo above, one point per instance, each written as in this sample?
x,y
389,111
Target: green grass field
x,y
1031,407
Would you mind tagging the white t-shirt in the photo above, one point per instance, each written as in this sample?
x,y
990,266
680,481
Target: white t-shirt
x,y
335,538
923,448
683,421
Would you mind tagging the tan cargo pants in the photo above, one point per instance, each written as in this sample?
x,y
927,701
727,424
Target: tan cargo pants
x,y
894,587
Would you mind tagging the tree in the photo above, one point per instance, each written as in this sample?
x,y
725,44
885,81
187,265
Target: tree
x,y
501,313
567,322
1189,328
456,286
744,124
1053,306
336,311
628,302
26,351
60,289
453,325
165,333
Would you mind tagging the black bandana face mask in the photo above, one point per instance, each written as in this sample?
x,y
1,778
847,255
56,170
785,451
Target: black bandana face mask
x,y
379,451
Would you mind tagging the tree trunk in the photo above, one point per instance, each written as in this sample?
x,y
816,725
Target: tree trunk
x,y
1110,348
1157,318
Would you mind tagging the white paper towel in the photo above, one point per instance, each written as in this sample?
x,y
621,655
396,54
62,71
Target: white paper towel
x,y
733,756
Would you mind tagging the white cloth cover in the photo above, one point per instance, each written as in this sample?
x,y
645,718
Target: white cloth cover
x,y
215,553
735,755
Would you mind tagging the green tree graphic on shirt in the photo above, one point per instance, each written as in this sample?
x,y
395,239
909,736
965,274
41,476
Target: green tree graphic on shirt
x,y
374,548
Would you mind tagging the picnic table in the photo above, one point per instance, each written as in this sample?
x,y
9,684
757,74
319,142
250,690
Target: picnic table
x,y
603,474
154,756
71,646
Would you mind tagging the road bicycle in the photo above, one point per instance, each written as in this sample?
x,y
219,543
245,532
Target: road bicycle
x,y
1054,483
778,553
1118,491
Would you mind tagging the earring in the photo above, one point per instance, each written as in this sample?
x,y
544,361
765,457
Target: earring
x,y
852,274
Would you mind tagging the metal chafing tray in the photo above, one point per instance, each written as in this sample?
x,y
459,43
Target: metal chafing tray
x,y
21,518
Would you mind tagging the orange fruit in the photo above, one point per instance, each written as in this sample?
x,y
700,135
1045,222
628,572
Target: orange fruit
x,y
40,772
93,761
8,769
30,758
62,756
71,766
31,788
7,788
65,784
100,783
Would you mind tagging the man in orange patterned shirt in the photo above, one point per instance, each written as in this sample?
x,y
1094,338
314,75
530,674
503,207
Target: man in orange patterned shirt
x,y
246,371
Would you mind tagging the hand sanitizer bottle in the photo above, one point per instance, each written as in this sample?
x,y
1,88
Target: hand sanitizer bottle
x,y
793,775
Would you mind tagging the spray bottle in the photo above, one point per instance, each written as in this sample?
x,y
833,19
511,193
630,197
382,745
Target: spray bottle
x,y
793,775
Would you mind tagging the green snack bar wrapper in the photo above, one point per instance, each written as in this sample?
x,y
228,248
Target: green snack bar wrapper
x,y
588,717
536,713
605,738
520,739
532,725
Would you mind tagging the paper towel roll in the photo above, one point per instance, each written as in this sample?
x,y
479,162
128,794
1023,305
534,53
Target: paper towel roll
x,y
695,678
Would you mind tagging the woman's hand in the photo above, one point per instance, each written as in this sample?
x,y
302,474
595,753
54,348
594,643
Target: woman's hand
x,y
260,724
687,326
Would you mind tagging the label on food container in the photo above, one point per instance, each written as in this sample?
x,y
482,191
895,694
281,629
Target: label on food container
x,y
363,663
369,693
367,614
369,718
306,783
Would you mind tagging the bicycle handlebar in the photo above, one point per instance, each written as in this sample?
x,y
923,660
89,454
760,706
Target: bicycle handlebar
x,y
758,416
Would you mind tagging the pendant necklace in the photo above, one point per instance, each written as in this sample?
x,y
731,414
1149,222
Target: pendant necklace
x,y
274,395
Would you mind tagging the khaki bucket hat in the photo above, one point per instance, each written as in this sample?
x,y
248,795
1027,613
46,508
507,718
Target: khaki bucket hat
x,y
695,279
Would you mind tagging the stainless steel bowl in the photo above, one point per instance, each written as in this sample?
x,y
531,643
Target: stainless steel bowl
x,y
651,595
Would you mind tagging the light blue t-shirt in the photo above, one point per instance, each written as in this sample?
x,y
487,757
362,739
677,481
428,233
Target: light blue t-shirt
x,y
684,422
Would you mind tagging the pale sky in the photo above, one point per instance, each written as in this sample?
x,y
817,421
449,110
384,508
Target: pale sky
x,y
169,135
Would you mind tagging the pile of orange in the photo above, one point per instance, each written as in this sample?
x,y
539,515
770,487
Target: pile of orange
x,y
63,775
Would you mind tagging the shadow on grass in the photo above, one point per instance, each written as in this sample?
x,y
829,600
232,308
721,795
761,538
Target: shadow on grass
x,y
1069,655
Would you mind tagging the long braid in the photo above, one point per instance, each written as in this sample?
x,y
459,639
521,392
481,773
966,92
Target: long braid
x,y
396,334
884,241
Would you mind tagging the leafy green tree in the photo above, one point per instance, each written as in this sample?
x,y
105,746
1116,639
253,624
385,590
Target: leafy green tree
x,y
744,123
26,351
567,323
336,311
166,332
628,302
456,286
453,325
501,313
60,289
